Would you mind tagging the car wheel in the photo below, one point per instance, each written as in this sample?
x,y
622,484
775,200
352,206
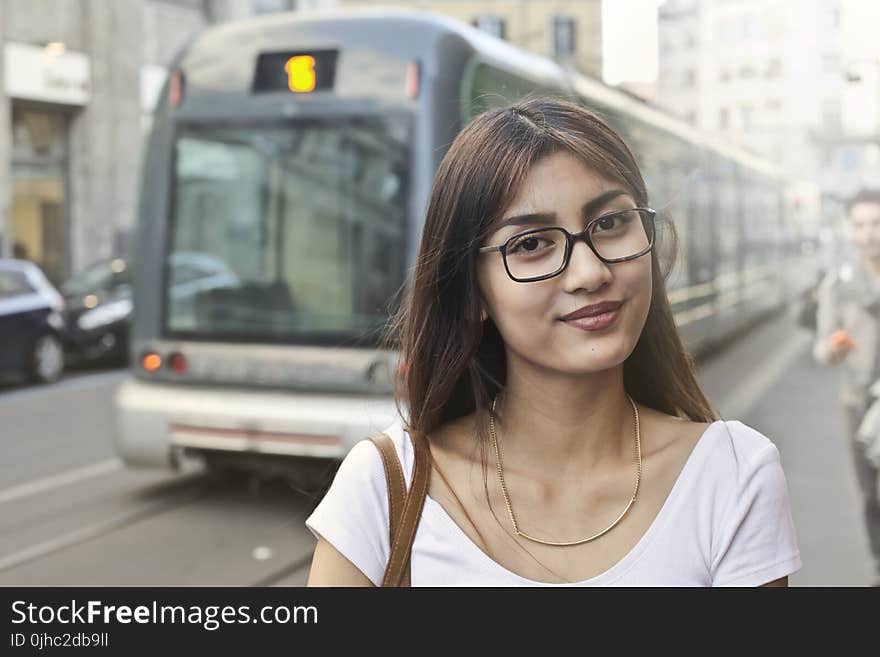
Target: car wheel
x,y
47,359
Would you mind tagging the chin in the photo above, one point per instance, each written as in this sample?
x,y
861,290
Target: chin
x,y
599,354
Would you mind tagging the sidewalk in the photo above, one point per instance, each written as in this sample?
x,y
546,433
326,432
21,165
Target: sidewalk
x,y
797,409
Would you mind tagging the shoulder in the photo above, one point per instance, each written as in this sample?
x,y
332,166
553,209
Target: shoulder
x,y
724,447
402,445
742,473
736,450
753,535
363,463
353,513
722,457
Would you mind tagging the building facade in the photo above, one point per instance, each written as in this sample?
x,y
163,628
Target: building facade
x,y
780,77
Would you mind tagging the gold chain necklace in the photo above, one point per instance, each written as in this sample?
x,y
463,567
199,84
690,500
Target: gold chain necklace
x,y
594,536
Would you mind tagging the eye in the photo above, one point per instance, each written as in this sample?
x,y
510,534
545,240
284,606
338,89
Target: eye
x,y
606,223
617,220
524,244
528,244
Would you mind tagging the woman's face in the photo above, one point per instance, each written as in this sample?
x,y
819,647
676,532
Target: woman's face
x,y
529,315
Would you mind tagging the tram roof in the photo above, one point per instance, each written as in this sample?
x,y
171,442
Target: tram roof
x,y
431,25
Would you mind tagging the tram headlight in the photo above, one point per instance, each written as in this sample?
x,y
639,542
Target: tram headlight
x,y
104,315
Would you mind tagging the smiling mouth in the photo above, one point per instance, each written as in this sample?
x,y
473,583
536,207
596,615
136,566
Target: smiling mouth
x,y
605,318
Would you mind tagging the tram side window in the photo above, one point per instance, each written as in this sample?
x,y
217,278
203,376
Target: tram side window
x,y
701,244
493,87
730,229
756,231
666,165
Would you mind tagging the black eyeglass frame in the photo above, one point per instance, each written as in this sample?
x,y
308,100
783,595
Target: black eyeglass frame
x,y
571,238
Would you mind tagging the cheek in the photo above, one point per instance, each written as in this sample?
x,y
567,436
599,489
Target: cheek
x,y
638,291
505,298
636,282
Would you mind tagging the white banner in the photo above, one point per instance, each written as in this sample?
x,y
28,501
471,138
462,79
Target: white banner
x,y
46,74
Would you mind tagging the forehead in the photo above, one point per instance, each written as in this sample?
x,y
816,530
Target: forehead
x,y
864,212
556,180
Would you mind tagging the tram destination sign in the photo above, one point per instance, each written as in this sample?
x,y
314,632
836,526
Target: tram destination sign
x,y
295,72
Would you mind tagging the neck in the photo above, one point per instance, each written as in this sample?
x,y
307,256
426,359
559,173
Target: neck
x,y
557,425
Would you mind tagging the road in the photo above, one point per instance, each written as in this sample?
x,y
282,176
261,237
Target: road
x,y
72,514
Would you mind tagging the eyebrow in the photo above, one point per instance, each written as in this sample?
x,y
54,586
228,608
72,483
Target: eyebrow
x,y
589,208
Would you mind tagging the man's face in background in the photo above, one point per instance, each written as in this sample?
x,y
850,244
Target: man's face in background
x,y
865,228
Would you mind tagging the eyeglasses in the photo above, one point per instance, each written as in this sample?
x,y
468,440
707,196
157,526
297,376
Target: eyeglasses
x,y
542,253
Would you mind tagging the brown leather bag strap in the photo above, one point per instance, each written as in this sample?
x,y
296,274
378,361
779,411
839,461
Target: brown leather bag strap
x,y
395,480
404,519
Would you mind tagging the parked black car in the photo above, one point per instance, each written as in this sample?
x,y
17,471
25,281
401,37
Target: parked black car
x,y
32,325
97,310
98,301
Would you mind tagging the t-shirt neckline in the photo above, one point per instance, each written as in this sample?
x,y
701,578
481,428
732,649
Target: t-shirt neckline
x,y
626,561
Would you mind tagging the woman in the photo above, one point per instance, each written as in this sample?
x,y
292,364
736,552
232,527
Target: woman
x,y
537,336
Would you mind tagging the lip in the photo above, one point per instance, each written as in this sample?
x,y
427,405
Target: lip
x,y
594,310
595,322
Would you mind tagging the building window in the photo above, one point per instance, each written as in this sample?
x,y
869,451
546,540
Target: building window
x,y
690,78
491,24
724,118
563,35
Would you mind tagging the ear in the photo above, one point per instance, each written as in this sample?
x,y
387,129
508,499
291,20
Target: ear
x,y
483,314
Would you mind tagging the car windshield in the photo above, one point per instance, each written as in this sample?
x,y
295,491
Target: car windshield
x,y
288,233
14,283
96,278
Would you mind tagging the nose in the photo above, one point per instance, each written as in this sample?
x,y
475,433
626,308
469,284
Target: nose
x,y
585,270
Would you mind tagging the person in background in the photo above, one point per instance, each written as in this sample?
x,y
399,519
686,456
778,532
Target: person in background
x,y
847,333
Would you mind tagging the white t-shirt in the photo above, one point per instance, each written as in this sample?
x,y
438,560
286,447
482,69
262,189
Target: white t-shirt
x,y
726,522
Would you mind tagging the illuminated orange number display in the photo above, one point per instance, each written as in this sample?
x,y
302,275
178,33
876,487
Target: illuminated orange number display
x,y
300,73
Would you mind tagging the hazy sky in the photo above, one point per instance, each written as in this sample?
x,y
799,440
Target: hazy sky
x,y
629,40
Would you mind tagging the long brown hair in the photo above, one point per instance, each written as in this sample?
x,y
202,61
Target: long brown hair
x,y
453,362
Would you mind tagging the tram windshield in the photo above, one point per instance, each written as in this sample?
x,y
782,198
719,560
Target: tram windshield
x,y
289,232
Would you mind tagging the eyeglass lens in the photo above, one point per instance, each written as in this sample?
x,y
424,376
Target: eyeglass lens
x,y
542,253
